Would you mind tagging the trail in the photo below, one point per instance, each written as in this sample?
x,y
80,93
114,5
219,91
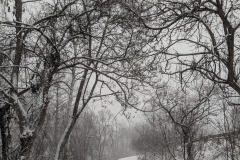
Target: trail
x,y
130,158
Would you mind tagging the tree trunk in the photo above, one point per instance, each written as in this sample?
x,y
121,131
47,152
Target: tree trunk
x,y
5,117
64,139
56,119
65,136
26,145
189,151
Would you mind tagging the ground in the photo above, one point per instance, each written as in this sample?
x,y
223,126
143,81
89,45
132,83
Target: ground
x,y
130,158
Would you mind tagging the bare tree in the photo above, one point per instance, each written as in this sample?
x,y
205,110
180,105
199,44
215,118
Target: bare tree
x,y
68,35
225,141
193,39
182,114
208,30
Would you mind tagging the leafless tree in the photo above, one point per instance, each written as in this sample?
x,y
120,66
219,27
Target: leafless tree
x,y
77,36
196,37
177,113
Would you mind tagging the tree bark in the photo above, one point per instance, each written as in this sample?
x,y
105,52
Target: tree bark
x,y
64,138
26,145
5,117
56,119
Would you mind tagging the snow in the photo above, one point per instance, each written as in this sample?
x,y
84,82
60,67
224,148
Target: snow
x,y
22,157
130,158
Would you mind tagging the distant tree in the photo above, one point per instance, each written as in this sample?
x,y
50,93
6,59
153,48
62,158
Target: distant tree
x,y
179,116
82,138
187,114
226,140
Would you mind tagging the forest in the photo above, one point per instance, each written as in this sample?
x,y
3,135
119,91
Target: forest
x,y
108,79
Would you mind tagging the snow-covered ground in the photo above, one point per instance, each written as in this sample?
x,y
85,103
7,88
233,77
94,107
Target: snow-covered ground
x,y
130,158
